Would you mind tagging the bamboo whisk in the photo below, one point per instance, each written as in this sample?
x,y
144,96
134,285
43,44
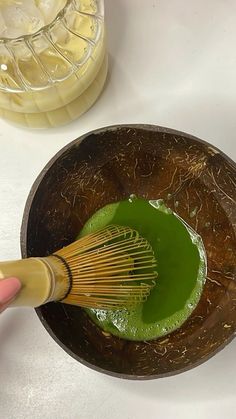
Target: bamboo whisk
x,y
111,268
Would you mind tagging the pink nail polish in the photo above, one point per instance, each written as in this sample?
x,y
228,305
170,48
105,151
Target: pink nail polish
x,y
8,289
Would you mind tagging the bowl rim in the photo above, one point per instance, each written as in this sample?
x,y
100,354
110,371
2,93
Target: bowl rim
x,y
24,233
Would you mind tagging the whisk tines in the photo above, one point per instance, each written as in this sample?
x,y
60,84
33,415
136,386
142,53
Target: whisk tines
x,y
111,268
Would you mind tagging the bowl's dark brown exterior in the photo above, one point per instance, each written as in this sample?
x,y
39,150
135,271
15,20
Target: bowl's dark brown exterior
x,y
107,165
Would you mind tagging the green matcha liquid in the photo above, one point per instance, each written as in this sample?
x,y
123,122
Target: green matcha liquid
x,y
181,267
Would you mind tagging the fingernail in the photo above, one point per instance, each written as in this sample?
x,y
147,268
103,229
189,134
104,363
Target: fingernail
x,y
8,289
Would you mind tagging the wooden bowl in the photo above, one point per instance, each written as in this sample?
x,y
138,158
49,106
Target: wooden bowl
x,y
107,165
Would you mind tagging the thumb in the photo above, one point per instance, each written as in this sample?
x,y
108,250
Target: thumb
x,y
8,289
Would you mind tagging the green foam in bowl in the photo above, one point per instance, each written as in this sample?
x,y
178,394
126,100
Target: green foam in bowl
x,y
181,266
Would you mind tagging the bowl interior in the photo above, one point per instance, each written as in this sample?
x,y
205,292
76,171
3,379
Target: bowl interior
x,y
196,181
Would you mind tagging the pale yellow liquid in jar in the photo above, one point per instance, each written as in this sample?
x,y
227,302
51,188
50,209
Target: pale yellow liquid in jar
x,y
63,73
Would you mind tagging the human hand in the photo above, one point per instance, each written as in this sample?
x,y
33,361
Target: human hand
x,y
9,287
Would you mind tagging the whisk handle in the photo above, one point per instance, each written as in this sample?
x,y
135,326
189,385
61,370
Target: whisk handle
x,y
35,277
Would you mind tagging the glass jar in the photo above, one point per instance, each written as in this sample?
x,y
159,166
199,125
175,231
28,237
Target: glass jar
x,y
52,76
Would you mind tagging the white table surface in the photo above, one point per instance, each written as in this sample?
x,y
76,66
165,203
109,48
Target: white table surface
x,y
172,63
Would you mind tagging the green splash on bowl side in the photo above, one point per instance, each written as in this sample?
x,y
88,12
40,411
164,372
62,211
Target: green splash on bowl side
x,y
181,266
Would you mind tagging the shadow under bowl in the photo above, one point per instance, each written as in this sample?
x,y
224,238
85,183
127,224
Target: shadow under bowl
x,y
107,165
